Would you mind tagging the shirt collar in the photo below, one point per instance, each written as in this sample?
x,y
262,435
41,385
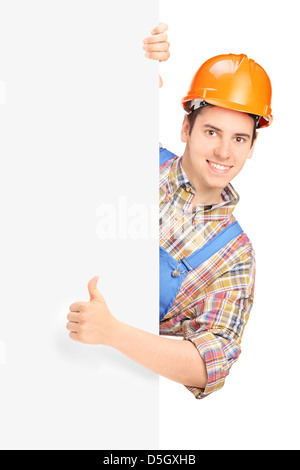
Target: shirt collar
x,y
178,178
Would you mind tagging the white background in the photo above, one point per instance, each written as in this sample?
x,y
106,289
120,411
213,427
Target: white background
x,y
68,128
258,408
78,129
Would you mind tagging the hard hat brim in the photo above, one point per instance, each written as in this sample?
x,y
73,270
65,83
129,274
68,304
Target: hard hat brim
x,y
265,113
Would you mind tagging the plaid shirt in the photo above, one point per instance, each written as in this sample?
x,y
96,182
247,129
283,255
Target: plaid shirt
x,y
213,304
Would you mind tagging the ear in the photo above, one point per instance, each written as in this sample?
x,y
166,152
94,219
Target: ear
x,y
185,130
253,146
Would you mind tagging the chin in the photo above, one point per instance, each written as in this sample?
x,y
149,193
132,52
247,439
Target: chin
x,y
220,185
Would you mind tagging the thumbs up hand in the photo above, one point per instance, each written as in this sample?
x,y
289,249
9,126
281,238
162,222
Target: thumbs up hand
x,y
91,322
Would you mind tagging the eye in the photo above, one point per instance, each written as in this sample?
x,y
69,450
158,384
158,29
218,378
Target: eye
x,y
211,133
240,140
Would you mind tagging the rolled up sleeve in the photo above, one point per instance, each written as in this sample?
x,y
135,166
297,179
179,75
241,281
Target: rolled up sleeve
x,y
217,326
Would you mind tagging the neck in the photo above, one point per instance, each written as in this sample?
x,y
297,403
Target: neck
x,y
204,194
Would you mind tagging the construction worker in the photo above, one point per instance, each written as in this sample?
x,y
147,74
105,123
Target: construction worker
x,y
207,263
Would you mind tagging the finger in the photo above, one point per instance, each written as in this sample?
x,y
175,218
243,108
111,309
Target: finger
x,y
73,316
157,47
77,306
157,38
93,289
73,336
73,327
161,56
160,28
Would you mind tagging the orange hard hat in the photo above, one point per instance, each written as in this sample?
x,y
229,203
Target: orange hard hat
x,y
234,82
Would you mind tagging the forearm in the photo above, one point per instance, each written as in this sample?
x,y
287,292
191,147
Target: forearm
x,y
93,323
176,360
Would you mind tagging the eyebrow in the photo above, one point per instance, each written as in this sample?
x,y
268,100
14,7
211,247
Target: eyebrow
x,y
237,134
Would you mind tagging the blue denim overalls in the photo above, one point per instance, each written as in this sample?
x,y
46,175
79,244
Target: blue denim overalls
x,y
172,272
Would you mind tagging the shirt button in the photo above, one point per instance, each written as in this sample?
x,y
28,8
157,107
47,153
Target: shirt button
x,y
188,189
176,273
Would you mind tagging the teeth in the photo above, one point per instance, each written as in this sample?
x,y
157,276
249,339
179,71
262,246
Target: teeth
x,y
219,167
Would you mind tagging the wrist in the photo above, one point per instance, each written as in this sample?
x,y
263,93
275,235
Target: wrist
x,y
117,332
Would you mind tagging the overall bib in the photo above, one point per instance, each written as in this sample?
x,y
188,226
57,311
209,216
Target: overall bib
x,y
172,272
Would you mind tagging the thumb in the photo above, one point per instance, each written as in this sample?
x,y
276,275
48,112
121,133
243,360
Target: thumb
x,y
93,289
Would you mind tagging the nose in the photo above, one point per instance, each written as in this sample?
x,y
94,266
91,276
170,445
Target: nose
x,y
223,149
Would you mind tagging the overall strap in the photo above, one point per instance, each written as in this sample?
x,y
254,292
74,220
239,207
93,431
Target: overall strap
x,y
213,246
164,156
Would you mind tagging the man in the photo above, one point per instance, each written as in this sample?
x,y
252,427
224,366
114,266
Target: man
x,y
207,262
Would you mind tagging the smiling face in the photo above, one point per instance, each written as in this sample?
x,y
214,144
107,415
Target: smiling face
x,y
216,150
